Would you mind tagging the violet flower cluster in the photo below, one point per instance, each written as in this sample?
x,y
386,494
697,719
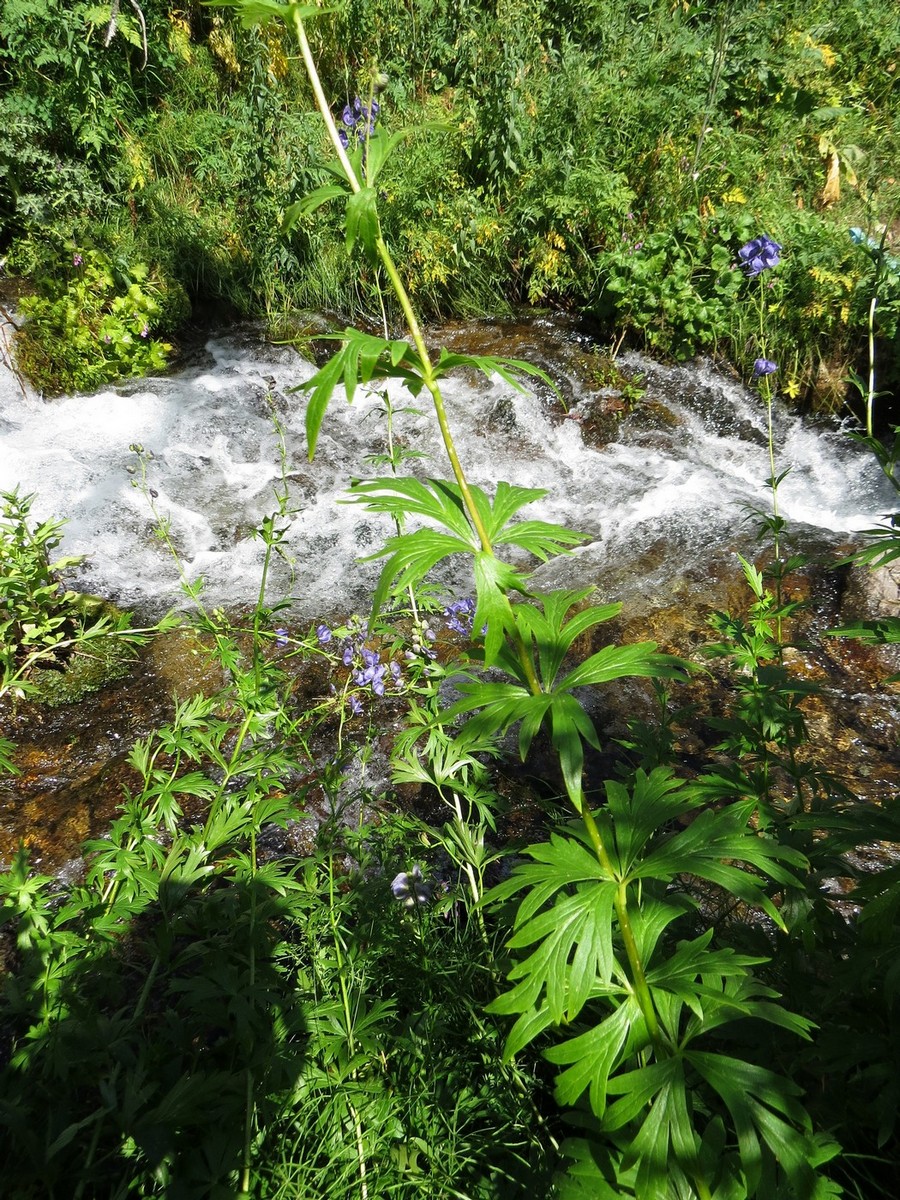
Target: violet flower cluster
x,y
758,255
365,665
359,117
461,615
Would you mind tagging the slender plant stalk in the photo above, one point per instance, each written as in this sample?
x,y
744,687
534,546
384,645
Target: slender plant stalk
x,y
636,966
348,1025
249,1106
397,284
412,322
870,392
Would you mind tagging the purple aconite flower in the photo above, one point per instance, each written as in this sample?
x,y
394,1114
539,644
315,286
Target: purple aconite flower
x,y
410,888
372,672
460,614
355,706
77,260
764,366
281,637
359,116
323,634
759,255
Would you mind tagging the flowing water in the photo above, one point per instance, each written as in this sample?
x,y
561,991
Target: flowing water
x,y
683,468
661,493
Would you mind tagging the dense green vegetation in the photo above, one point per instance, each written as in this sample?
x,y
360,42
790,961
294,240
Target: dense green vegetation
x,y
609,156
655,999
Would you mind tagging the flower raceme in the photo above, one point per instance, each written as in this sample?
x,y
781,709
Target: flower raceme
x,y
360,117
758,255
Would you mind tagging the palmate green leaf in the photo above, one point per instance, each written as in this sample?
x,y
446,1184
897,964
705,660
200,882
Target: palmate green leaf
x,y
568,909
615,662
441,500
885,547
434,499
559,864
680,971
666,1136
712,846
379,147
528,1026
637,1089
507,368
762,1105
595,1172
569,725
883,631
726,999
551,636
652,916
500,705
7,749
636,814
494,580
260,12
411,557
361,358
574,951
593,1055
550,631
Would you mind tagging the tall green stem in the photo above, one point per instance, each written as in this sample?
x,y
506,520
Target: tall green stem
x,y
635,964
412,322
400,291
870,392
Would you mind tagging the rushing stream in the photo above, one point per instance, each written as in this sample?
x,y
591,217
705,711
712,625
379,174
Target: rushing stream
x,y
662,493
684,467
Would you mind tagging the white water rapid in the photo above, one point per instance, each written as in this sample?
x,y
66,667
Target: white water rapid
x,y
684,469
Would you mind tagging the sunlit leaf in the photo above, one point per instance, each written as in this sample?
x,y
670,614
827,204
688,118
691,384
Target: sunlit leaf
x,y
362,221
309,204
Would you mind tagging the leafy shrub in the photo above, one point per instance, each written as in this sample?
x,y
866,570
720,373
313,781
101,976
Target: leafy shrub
x,y
94,324
41,622
678,287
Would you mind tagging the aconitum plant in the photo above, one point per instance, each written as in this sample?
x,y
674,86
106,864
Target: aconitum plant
x,y
764,366
759,254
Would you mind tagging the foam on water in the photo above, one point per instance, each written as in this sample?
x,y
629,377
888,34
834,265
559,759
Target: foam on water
x,y
215,463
